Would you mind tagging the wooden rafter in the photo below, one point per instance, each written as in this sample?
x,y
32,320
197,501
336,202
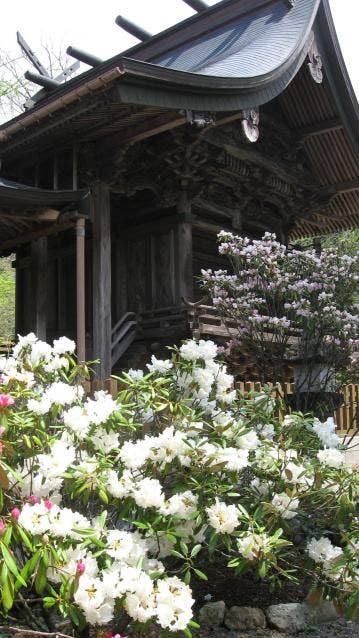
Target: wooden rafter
x,y
326,126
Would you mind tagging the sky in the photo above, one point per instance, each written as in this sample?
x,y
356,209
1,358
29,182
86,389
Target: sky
x,y
90,25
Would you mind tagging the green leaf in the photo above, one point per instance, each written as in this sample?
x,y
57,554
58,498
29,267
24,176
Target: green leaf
x,y
30,566
48,602
7,594
103,496
187,577
195,550
40,578
11,564
194,624
24,538
200,574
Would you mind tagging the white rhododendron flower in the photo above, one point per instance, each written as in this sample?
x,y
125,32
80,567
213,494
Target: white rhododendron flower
x,y
136,375
100,408
162,366
64,346
285,505
326,432
223,518
331,457
77,420
122,496
323,551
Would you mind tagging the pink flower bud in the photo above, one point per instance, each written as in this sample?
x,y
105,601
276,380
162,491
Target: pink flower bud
x,y
2,430
15,513
80,567
33,499
2,527
6,400
48,504
1,447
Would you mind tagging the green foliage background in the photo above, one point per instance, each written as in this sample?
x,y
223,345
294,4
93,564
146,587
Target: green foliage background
x,y
7,300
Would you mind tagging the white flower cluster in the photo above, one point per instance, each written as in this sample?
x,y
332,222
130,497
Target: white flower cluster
x,y
223,518
168,601
326,432
45,517
188,460
322,551
285,505
30,350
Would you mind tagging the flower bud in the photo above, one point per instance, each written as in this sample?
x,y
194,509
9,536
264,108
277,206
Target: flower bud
x,y
33,499
2,527
2,430
15,513
48,504
80,567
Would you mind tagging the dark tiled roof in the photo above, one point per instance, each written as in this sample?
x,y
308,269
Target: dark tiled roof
x,y
249,46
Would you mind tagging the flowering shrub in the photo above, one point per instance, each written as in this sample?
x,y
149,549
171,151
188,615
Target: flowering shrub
x,y
290,305
110,508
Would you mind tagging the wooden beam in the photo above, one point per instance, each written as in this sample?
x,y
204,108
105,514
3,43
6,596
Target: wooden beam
x,y
101,258
333,124
39,286
53,229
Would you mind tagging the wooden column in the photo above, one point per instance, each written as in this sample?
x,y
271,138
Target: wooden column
x,y
39,286
80,272
101,256
185,260
185,249
80,291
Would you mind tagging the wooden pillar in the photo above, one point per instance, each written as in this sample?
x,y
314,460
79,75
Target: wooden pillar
x,y
80,291
185,248
101,257
80,272
185,260
39,286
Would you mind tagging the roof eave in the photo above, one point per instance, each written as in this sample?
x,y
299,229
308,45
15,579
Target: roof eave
x,y
337,73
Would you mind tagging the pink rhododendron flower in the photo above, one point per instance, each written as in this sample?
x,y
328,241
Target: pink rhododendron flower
x,y
6,400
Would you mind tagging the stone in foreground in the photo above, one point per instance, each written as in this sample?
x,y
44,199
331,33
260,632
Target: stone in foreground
x,y
290,617
212,614
243,618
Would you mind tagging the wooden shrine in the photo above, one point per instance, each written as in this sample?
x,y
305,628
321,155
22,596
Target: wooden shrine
x,y
115,183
